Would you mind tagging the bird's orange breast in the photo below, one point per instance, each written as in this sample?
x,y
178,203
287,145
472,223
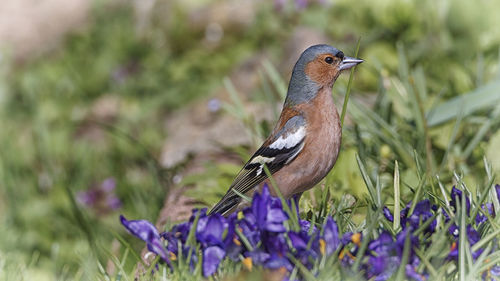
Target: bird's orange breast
x,y
321,148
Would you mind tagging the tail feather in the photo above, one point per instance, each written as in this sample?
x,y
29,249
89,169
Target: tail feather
x,y
225,205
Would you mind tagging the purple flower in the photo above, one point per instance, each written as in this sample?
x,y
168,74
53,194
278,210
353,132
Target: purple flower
x,y
400,242
384,244
305,226
383,260
101,197
276,261
487,208
456,193
258,256
386,254
210,229
331,236
382,268
497,189
232,244
387,214
421,214
268,211
491,273
212,256
249,228
413,274
148,233
275,242
300,242
472,236
258,234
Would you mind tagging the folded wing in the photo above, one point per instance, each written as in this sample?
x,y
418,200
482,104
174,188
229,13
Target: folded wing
x,y
283,147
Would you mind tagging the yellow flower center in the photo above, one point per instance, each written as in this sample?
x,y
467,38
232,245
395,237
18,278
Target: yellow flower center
x,y
247,262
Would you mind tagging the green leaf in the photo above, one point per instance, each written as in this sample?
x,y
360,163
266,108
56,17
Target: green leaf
x,y
466,104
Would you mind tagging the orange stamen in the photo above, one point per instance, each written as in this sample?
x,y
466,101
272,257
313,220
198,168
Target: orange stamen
x,y
356,238
236,241
322,246
247,262
453,246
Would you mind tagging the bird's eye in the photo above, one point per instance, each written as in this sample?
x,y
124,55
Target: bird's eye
x,y
329,60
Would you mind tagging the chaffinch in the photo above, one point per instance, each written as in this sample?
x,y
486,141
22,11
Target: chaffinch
x,y
305,142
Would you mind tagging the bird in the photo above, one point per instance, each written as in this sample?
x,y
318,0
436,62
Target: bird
x,y
305,143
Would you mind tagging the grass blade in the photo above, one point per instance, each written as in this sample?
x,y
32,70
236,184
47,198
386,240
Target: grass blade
x,y
348,91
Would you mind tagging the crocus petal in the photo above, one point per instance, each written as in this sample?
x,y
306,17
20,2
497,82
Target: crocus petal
x,y
210,229
305,226
497,189
258,256
276,215
297,241
472,235
387,214
410,272
276,261
495,270
147,232
457,193
331,236
377,265
274,227
212,256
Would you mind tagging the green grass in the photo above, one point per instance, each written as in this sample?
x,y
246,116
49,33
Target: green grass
x,y
433,68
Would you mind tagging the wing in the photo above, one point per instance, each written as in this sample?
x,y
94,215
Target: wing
x,y
281,148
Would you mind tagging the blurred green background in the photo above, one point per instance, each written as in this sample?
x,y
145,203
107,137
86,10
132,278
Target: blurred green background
x,y
97,97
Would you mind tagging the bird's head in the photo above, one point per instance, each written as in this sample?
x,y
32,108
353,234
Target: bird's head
x,y
318,67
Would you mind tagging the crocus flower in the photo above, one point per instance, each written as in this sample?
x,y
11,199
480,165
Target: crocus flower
x,y
100,197
212,256
387,214
413,274
331,236
487,208
382,268
493,273
420,215
209,230
383,244
300,242
268,211
473,237
457,193
148,233
209,233
258,235
276,261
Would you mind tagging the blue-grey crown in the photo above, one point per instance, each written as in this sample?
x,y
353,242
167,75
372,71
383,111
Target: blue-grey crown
x,y
302,88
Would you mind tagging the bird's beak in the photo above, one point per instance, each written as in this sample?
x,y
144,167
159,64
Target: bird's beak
x,y
349,62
